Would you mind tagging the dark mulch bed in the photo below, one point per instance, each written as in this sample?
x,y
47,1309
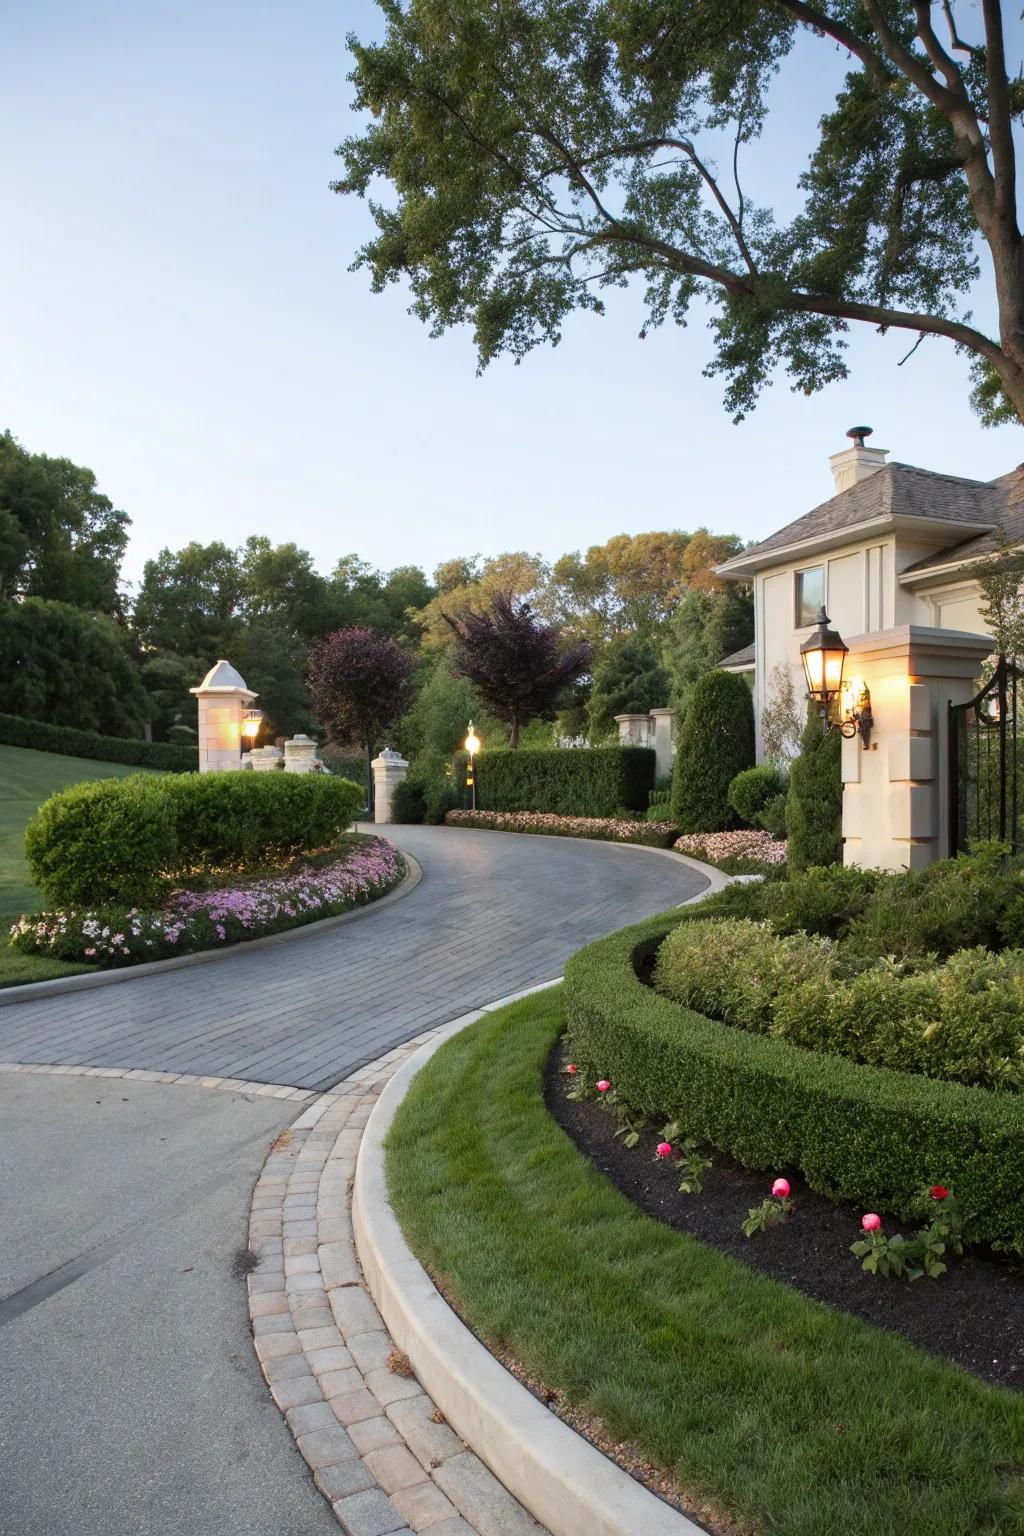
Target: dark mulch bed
x,y
972,1314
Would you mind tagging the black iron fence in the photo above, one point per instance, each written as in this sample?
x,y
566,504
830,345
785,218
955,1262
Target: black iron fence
x,y
985,763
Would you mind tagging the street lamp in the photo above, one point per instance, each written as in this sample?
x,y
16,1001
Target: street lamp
x,y
251,722
472,747
824,654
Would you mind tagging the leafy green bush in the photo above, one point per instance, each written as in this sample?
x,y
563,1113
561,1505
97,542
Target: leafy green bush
x,y
569,781
129,840
954,904
821,900
814,805
716,742
773,817
408,803
861,1133
753,789
16,732
963,1021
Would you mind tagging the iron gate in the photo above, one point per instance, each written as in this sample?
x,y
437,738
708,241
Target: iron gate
x,y
983,763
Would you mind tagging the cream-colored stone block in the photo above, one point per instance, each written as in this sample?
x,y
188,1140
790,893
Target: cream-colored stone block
x,y
853,806
920,707
913,811
851,760
912,757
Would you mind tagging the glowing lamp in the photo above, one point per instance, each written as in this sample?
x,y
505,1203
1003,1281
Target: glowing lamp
x,y
472,741
251,722
823,655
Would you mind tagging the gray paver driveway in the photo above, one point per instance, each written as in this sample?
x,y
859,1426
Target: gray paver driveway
x,y
495,912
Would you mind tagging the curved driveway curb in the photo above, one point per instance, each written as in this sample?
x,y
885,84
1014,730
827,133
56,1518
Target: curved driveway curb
x,y
32,991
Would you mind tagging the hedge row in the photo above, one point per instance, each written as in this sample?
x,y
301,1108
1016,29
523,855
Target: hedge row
x,y
854,1132
568,781
131,840
17,732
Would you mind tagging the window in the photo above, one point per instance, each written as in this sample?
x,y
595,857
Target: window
x,y
810,595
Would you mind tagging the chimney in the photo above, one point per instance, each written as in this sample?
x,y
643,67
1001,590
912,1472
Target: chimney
x,y
858,462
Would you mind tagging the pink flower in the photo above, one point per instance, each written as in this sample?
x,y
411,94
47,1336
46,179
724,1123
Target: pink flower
x,y
871,1222
780,1188
664,1149
572,1068
603,1085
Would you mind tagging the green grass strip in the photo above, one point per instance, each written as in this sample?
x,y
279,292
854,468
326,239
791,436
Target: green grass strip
x,y
795,1418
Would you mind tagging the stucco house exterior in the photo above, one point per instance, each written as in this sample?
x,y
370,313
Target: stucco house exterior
x,y
893,546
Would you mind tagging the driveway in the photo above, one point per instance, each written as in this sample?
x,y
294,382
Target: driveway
x,y
133,1402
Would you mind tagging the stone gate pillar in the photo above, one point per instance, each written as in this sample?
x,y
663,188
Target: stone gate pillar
x,y
388,770
222,696
662,720
634,730
896,791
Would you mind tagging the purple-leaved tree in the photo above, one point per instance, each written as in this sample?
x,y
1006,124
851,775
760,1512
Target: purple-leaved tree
x,y
359,682
517,663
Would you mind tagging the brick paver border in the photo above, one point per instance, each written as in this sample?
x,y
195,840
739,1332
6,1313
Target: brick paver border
x,y
182,1079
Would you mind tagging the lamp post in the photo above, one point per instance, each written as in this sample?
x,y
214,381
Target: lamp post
x,y
824,654
252,720
472,747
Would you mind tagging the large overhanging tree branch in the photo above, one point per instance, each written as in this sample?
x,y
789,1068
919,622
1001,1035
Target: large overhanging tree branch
x,y
539,152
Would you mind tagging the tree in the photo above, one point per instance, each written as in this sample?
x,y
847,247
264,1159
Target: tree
x,y
469,586
706,627
59,537
64,666
1001,579
539,155
814,804
189,601
716,742
359,683
628,680
518,663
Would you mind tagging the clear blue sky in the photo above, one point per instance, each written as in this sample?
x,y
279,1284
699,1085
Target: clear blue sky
x,y
178,315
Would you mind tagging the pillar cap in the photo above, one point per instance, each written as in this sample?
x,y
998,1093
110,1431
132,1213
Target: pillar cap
x,y
223,678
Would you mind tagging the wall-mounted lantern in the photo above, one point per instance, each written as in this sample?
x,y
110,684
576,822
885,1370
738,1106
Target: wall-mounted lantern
x,y
251,722
824,654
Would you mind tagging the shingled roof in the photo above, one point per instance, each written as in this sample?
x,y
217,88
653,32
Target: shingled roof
x,y
1009,528
895,491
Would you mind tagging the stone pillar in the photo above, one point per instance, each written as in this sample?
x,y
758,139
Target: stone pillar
x,y
634,730
299,754
663,720
896,792
222,696
388,770
265,759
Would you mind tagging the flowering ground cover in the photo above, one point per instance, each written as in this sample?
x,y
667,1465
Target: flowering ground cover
x,y
360,870
654,834
741,852
753,1406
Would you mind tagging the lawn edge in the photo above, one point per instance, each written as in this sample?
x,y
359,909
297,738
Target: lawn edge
x,y
31,991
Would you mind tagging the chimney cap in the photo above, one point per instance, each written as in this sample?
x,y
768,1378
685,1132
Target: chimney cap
x,y
859,434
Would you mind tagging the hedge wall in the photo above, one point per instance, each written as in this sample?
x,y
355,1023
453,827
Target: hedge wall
x,y
17,732
571,781
866,1134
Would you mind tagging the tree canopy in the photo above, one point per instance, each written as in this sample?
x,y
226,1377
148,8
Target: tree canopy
x,y
543,153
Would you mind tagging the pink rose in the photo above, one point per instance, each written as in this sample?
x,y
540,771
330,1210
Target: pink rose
x,y
571,1067
780,1188
664,1149
603,1085
871,1222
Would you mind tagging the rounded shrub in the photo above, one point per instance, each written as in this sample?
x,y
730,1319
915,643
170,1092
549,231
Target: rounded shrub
x,y
873,1135
814,805
755,788
716,742
131,840
408,802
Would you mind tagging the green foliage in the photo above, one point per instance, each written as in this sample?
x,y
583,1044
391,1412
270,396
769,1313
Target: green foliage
x,y
628,680
572,781
963,1020
60,539
952,904
129,840
716,742
822,900
68,667
814,806
605,829
754,789
772,818
706,627
408,803
867,1134
17,732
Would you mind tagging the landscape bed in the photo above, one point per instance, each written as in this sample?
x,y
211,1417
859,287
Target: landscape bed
x,y
609,829
746,1403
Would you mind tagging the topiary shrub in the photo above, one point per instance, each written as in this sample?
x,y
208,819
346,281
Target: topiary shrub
x,y
814,804
754,789
569,781
131,840
408,803
716,742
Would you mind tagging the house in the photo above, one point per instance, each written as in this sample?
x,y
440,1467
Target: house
x,y
894,546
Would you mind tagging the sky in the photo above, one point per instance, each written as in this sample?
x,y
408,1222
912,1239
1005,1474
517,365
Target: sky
x,y
178,315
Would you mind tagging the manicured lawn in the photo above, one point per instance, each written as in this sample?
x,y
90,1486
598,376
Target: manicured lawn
x,y
784,1414
26,779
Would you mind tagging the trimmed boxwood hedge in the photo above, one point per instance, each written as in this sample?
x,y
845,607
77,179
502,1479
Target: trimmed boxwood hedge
x,y
18,732
569,781
855,1132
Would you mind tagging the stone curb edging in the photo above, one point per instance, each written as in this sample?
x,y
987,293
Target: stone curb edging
x,y
565,1482
32,990
179,1079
